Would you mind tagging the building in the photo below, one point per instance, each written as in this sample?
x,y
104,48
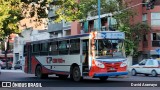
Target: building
x,y
72,28
28,35
33,28
147,46
151,41
57,29
10,48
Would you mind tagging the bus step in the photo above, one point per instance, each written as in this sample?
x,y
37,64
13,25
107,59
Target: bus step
x,y
85,73
86,69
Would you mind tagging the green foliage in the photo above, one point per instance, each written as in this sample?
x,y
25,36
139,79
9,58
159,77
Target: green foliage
x,y
134,34
10,14
35,8
70,10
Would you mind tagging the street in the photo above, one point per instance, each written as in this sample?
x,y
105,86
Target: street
x,y
54,82
18,75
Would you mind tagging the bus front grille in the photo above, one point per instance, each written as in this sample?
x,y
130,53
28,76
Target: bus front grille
x,y
112,67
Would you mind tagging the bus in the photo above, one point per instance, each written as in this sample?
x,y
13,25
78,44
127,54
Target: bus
x,y
95,54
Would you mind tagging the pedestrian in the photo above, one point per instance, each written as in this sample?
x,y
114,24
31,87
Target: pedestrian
x,y
0,68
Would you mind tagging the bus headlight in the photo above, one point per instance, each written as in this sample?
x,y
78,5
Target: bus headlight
x,y
124,63
99,64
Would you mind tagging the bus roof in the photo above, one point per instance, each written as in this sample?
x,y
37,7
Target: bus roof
x,y
62,38
71,37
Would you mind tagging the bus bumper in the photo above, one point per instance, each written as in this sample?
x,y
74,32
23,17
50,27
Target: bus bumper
x,y
110,74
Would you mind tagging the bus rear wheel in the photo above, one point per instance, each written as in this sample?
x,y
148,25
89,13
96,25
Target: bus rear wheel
x,y
76,74
39,73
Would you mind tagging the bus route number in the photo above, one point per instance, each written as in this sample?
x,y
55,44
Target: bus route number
x,y
104,35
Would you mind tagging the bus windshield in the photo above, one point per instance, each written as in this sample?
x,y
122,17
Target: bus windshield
x,y
109,48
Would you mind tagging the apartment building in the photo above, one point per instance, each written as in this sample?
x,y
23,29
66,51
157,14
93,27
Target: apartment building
x,y
147,46
151,41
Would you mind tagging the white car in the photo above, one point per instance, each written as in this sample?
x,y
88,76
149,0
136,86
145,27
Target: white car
x,y
146,67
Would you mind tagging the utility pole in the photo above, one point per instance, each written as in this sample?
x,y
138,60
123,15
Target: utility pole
x,y
99,20
99,13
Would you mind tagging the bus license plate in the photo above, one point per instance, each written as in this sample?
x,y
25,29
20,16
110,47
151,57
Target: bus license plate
x,y
112,68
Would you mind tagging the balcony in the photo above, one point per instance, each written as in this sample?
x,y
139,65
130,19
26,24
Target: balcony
x,y
156,43
51,13
55,27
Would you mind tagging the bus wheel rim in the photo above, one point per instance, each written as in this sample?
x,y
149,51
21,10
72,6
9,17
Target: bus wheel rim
x,y
76,74
39,72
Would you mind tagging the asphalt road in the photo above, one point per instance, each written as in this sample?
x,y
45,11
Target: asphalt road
x,y
54,83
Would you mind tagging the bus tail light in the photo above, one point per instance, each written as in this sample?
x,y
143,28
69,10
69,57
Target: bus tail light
x,y
124,63
99,64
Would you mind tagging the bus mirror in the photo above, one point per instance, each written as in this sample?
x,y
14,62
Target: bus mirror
x,y
68,45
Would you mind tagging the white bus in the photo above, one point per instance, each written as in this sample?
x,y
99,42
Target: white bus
x,y
97,55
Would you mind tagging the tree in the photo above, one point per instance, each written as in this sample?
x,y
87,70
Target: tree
x,y
12,11
71,10
35,8
10,14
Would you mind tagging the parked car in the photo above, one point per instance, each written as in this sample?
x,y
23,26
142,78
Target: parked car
x,y
3,66
18,65
146,67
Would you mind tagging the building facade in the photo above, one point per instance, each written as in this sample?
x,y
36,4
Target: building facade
x,y
19,42
151,41
147,46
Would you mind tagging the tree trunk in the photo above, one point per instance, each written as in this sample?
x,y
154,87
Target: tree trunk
x,y
6,52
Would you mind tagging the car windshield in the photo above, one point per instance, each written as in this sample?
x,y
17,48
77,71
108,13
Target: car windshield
x,y
143,62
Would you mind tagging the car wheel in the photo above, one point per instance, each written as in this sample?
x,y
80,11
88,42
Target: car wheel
x,y
133,72
154,73
20,68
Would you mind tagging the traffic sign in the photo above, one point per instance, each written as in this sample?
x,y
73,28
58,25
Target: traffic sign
x,y
158,51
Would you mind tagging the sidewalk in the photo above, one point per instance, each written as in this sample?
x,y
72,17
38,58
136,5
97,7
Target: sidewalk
x,y
18,71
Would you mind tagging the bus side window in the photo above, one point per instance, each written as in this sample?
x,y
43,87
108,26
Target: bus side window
x,y
74,46
44,49
63,47
35,49
53,48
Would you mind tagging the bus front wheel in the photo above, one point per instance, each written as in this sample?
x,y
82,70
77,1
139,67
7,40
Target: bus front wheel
x,y
39,73
76,74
